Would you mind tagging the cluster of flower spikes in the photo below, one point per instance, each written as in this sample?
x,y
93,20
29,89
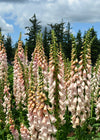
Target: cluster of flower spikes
x,y
96,87
57,91
40,120
80,84
19,82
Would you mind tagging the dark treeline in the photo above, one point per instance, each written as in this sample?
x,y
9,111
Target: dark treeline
x,y
63,34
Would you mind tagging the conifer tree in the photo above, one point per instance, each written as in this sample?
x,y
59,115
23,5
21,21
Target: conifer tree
x,y
79,43
46,42
32,33
9,50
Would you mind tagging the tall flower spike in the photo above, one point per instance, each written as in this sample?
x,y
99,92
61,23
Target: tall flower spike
x,y
57,91
42,61
20,84
19,87
39,59
39,119
62,89
85,68
73,89
52,65
53,78
3,76
32,94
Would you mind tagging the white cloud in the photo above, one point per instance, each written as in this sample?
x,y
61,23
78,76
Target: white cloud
x,y
51,11
6,28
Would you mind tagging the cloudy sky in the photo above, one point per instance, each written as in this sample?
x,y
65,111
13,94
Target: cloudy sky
x,y
15,14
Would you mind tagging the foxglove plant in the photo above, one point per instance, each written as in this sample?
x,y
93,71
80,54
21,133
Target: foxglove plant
x,y
62,87
39,59
19,86
79,94
72,92
53,79
85,74
3,77
40,120
57,84
33,82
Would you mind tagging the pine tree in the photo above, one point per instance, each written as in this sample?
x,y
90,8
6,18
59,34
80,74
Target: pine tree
x,y
59,31
95,47
79,43
67,41
32,33
46,42
9,50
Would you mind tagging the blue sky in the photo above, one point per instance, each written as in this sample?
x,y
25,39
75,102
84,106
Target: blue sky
x,y
15,14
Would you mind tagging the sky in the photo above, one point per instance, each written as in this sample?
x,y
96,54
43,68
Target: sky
x,y
15,14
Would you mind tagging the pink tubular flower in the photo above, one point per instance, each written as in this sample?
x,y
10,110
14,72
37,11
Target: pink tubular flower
x,y
24,133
